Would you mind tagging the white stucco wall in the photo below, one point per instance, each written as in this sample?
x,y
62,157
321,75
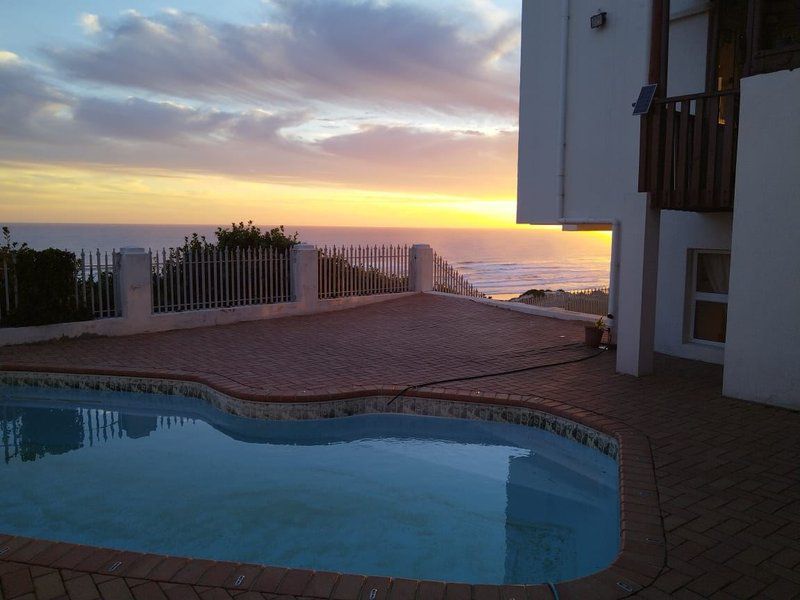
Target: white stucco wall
x,y
606,68
537,172
682,232
688,42
762,355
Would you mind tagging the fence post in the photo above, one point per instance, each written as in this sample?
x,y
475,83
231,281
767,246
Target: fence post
x,y
420,268
305,275
133,288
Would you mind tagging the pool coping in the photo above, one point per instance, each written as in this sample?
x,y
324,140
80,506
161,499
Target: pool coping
x,y
641,557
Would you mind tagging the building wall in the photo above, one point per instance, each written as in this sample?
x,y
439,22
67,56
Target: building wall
x,y
680,233
537,172
762,355
688,43
605,70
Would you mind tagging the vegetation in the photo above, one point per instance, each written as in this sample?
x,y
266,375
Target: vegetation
x,y
38,287
242,236
202,274
534,293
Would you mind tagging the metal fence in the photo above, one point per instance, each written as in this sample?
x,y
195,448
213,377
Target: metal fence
x,y
94,285
362,270
212,278
446,278
26,300
592,301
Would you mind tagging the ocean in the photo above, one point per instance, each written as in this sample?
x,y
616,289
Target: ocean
x,y
500,262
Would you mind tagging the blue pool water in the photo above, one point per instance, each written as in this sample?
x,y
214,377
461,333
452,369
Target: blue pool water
x,y
397,495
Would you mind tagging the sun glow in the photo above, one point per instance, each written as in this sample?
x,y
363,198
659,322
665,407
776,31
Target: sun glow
x,y
67,194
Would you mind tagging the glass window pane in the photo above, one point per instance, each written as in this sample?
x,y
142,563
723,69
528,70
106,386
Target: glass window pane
x,y
710,319
713,270
731,43
780,24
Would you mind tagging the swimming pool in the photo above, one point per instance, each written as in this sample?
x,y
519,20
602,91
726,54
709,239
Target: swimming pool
x,y
382,494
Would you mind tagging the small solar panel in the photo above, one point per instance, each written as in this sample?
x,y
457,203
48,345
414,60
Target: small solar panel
x,y
642,106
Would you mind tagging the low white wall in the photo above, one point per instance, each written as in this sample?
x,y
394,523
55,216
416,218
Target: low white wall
x,y
762,355
184,320
133,293
539,311
680,233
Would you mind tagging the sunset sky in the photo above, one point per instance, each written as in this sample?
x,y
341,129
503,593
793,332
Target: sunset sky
x,y
334,112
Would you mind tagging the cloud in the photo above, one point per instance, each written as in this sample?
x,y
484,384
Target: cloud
x,y
179,92
90,23
364,52
41,124
138,119
29,106
447,161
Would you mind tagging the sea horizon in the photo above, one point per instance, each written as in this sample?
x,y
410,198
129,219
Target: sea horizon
x,y
501,262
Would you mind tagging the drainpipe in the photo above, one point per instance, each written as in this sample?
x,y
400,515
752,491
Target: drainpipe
x,y
562,118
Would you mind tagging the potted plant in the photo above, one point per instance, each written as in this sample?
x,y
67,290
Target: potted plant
x,y
594,333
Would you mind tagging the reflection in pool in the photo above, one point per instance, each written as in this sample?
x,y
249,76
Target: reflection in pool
x,y
397,495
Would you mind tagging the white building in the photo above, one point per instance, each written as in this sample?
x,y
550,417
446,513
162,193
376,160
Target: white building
x,y
702,193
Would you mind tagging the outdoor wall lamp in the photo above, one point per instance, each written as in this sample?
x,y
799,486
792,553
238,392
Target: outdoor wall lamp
x,y
597,21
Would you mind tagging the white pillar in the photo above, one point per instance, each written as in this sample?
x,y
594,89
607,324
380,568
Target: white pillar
x,y
420,268
636,300
134,285
613,284
305,275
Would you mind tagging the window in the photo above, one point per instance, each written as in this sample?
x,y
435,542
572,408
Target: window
x,y
729,39
708,298
778,23
774,36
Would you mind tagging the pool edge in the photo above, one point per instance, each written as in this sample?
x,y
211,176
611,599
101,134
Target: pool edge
x,y
642,546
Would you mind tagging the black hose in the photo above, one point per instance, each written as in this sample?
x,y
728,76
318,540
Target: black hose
x,y
553,590
497,374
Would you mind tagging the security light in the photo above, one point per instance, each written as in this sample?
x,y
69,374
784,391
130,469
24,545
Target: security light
x,y
598,20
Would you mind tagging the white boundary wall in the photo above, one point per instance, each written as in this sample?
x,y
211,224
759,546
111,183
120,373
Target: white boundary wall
x,y
539,311
134,295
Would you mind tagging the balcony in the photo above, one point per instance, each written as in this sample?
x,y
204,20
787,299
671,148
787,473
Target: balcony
x,y
687,155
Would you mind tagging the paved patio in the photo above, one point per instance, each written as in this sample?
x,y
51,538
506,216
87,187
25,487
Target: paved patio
x,y
727,471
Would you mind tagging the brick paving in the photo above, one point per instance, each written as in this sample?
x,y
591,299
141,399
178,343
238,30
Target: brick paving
x,y
727,472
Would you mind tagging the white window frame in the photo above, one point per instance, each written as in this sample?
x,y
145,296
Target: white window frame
x,y
693,295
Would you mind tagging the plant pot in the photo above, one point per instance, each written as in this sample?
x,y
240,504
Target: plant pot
x,y
594,336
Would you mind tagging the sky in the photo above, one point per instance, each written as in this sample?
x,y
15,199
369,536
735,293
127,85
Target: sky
x,y
313,112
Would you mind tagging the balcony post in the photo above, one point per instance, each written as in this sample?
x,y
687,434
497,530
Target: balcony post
x,y
659,46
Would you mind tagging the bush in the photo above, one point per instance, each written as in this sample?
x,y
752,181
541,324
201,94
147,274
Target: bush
x,y
42,287
243,237
173,280
534,293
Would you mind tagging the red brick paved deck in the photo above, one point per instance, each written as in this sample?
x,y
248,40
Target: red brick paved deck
x,y
728,472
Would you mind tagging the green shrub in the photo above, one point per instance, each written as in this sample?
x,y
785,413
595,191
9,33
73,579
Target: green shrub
x,y
45,288
243,237
535,293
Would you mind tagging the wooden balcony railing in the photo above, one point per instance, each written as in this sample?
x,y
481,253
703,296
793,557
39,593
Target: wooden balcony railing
x,y
687,157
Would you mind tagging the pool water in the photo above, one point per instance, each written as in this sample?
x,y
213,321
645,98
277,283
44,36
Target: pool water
x,y
396,495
